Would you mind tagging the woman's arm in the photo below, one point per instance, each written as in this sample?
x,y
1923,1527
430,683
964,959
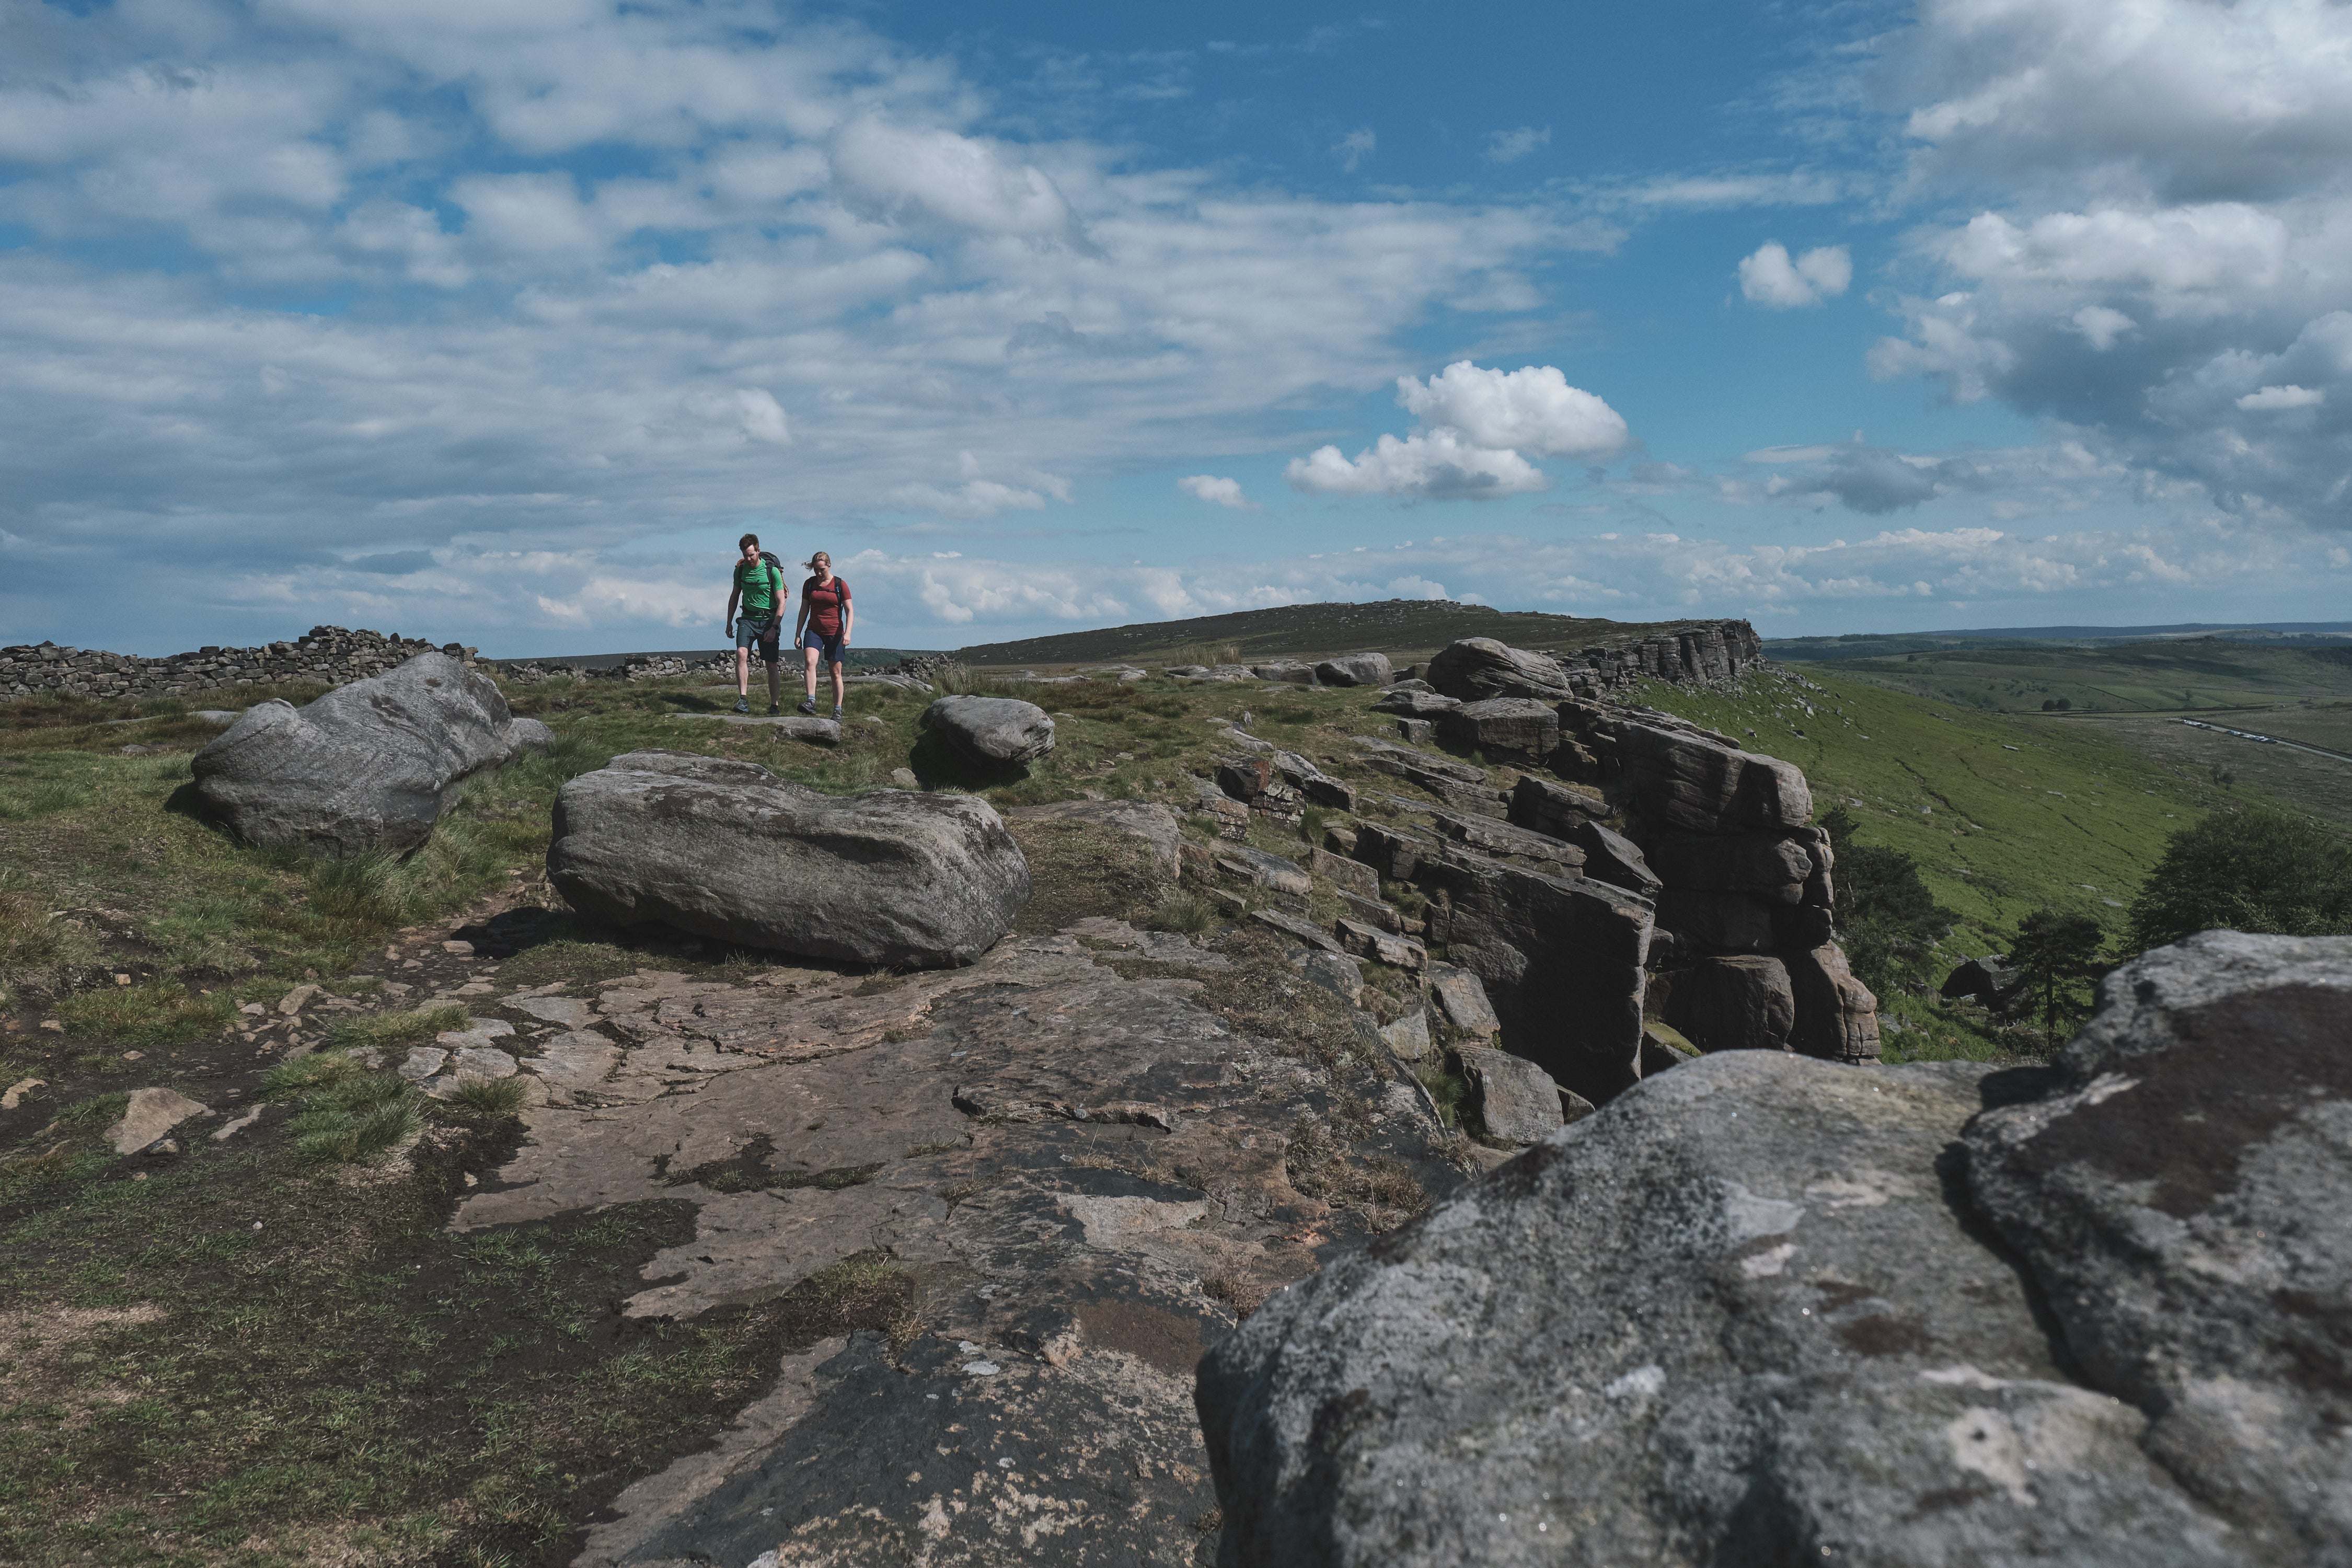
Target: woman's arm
x,y
848,613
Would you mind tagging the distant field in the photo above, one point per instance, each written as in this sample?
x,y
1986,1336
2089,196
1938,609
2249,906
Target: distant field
x,y
2163,676
1892,644
2297,780
1415,627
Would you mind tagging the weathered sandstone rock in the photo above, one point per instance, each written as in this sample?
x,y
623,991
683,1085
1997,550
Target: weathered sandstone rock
x,y
148,1115
1515,1099
1407,704
1751,1313
1507,728
729,850
369,767
1742,1003
1478,668
1837,1018
1356,669
1289,671
992,728
1680,776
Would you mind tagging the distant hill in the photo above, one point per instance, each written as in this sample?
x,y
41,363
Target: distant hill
x,y
1412,627
1882,644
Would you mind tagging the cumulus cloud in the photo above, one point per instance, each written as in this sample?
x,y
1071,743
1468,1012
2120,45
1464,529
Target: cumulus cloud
x,y
1771,279
1476,422
1216,491
1532,409
1510,146
2161,269
896,174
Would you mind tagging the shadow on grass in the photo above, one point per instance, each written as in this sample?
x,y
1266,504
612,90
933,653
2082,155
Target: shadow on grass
x,y
939,765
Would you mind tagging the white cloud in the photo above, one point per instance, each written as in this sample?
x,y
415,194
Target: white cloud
x,y
1510,146
1474,421
1355,147
894,174
2271,399
1770,278
1216,491
1434,465
1532,409
2159,204
2101,327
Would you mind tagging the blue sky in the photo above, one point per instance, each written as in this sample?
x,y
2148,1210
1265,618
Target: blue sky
x,y
498,320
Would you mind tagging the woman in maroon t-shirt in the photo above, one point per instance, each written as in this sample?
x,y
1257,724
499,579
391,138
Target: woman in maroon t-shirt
x,y
821,629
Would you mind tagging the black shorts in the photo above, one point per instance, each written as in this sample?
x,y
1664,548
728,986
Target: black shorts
x,y
761,629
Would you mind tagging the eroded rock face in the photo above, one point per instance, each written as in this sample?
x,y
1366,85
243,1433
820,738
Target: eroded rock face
x,y
2181,1201
1475,668
729,850
1751,1313
1743,1002
1507,728
992,728
370,767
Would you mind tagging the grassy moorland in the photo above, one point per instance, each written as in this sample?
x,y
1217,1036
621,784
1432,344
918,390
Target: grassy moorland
x,y
2145,678
270,1350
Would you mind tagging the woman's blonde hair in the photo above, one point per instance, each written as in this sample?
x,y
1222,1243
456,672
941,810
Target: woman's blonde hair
x,y
815,556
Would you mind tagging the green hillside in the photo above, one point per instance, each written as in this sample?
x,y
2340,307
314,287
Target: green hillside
x,y
2157,677
1412,629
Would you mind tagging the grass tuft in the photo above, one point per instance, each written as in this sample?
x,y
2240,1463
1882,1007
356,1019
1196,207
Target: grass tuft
x,y
489,1096
347,1118
395,1029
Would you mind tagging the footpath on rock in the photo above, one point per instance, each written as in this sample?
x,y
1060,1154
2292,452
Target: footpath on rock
x,y
1426,1116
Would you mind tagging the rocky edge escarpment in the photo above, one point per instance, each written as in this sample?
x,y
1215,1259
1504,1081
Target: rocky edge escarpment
x,y
1765,1309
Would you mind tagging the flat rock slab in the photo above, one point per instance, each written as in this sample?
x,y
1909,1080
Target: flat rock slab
x,y
1061,1154
1149,820
569,1010
149,1115
799,726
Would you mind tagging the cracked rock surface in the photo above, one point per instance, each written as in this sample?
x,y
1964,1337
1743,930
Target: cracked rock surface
x,y
1767,1309
1059,1144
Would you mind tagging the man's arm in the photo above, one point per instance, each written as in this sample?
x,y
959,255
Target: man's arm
x,y
733,594
800,618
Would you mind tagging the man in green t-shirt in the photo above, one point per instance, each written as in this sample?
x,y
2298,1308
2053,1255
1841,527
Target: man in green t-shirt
x,y
760,587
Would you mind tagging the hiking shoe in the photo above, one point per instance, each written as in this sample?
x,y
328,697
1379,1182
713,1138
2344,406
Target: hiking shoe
x,y
808,706
742,705
775,709
836,715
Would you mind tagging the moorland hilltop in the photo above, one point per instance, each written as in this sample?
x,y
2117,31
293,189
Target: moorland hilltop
x,y
1334,1107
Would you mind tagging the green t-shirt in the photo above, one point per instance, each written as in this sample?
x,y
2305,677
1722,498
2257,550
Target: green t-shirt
x,y
757,582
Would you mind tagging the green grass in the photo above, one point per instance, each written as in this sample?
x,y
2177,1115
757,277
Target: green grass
x,y
2161,677
392,1028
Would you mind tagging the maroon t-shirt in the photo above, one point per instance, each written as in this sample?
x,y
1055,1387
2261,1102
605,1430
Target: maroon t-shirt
x,y
826,601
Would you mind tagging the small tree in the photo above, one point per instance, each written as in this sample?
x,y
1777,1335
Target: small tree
x,y
2056,956
2254,871
1886,916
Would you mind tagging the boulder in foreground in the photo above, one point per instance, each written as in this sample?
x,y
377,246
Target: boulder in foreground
x,y
1356,669
370,767
727,849
992,728
1752,1312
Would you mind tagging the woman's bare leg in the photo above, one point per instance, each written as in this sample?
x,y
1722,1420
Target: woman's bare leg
x,y
837,683
810,655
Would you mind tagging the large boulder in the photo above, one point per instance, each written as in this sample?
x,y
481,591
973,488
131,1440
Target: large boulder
x,y
369,767
2181,1200
1416,704
1837,1015
1475,668
1001,730
1679,777
1743,1003
1515,1099
1289,671
1759,1311
1762,863
1356,669
1505,729
727,849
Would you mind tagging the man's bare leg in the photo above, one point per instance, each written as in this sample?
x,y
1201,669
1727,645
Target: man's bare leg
x,y
743,673
775,680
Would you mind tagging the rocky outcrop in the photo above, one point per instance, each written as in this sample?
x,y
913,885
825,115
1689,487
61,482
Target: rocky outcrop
x,y
1356,669
998,729
1149,821
328,656
1726,834
727,849
369,767
1505,729
1756,1311
1706,654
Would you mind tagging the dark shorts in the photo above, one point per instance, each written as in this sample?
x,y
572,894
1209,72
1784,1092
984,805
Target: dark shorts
x,y
828,649
761,629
